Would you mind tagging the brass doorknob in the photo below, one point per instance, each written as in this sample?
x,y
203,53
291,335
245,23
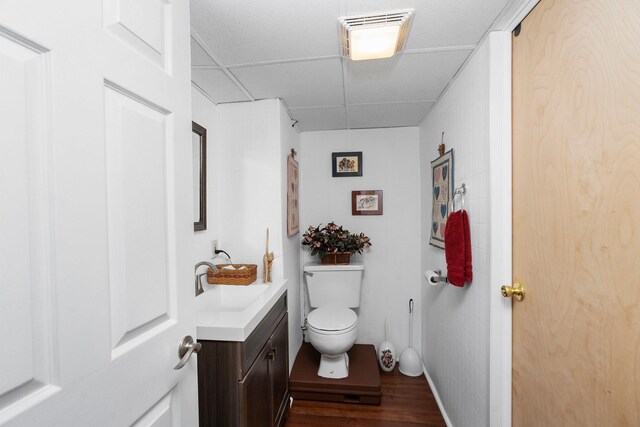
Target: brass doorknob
x,y
516,290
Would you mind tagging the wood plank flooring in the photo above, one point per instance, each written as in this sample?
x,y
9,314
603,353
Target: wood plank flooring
x,y
406,402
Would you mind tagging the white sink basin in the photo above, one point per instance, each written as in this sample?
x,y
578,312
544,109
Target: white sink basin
x,y
230,313
229,298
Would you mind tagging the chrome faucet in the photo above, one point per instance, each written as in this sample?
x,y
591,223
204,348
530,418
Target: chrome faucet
x,y
199,289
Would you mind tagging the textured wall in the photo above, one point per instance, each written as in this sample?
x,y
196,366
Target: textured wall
x,y
290,138
254,139
455,321
249,161
392,275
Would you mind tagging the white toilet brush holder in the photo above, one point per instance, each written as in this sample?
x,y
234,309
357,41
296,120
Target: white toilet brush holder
x,y
410,361
386,353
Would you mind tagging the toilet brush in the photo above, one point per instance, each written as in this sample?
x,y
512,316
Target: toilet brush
x,y
386,353
410,362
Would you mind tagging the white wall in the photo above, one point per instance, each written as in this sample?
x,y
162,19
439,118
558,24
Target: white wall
x,y
455,321
392,264
204,112
249,160
253,142
290,138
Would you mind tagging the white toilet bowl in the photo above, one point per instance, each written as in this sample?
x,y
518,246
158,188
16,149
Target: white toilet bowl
x,y
332,330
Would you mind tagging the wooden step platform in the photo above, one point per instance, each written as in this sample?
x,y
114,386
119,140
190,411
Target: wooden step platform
x,y
361,386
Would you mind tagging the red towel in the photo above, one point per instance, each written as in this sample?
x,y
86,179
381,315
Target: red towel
x,y
457,244
468,268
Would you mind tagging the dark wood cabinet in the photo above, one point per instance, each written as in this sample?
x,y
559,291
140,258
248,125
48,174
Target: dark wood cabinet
x,y
246,384
255,392
280,373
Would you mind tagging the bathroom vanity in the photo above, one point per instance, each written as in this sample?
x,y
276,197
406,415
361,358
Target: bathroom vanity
x,y
243,369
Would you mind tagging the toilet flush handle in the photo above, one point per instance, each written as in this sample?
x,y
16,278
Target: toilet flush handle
x,y
308,273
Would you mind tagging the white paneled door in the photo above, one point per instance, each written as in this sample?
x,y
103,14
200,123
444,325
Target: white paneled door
x,y
96,229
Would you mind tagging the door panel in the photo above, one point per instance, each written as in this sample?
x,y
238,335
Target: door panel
x,y
280,367
255,393
144,25
25,270
137,200
576,214
96,283
162,414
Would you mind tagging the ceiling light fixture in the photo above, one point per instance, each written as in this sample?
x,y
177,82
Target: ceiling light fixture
x,y
375,36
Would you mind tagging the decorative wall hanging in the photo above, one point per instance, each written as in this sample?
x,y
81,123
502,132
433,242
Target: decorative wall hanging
x,y
442,178
366,202
346,164
293,208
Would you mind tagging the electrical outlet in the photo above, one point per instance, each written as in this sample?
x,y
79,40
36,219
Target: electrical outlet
x,y
214,247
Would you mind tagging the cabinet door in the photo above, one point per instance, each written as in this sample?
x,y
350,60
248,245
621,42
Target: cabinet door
x,y
280,369
255,393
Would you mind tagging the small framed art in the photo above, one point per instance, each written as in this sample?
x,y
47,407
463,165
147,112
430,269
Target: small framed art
x,y
346,164
367,202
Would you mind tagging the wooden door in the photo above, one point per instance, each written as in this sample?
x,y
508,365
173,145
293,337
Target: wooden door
x,y
96,272
576,214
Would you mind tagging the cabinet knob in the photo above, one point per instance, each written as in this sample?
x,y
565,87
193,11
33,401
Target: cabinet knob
x,y
272,354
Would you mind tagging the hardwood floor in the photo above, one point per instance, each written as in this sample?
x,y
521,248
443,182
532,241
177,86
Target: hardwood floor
x,y
406,402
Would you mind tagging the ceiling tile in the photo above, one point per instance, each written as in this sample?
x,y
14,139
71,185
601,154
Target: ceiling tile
x,y
300,84
217,85
387,115
249,31
310,119
408,77
439,23
199,56
266,46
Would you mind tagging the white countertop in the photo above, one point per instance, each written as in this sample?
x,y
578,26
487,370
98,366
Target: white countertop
x,y
222,315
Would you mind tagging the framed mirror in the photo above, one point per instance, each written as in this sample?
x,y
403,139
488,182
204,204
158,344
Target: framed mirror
x,y
199,148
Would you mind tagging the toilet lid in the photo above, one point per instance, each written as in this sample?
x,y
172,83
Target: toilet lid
x,y
332,318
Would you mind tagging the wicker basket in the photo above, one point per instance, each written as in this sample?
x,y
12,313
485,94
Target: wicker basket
x,y
337,258
246,276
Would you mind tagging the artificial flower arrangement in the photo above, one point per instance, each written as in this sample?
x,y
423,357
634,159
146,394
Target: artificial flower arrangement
x,y
329,241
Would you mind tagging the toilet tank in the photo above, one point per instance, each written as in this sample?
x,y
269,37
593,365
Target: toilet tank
x,y
327,284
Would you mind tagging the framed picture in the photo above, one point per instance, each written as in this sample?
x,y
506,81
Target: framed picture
x,y
442,178
199,152
367,202
346,164
293,209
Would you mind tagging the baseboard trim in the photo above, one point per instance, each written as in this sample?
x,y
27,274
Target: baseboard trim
x,y
437,396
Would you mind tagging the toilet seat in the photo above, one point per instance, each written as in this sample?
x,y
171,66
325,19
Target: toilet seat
x,y
339,332
332,319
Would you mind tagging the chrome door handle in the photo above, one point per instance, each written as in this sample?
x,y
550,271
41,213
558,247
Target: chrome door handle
x,y
187,347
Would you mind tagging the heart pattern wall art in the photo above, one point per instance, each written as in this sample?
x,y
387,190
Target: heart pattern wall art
x,y
442,178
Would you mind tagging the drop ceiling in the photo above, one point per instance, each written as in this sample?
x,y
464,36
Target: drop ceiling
x,y
289,49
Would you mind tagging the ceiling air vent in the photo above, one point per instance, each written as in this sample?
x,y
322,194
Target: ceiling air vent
x,y
375,36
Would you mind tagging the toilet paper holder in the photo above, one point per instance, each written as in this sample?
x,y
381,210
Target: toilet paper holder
x,y
439,278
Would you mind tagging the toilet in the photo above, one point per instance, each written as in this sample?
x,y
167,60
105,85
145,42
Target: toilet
x,y
332,325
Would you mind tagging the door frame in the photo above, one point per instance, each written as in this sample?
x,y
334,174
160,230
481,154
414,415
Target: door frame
x,y
500,220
